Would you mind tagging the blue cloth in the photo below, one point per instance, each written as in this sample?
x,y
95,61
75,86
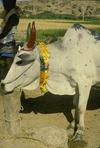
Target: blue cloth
x,y
7,54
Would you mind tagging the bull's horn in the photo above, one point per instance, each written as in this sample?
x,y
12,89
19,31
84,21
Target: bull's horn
x,y
32,37
28,31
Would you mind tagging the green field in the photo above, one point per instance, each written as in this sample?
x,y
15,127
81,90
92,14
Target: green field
x,y
50,30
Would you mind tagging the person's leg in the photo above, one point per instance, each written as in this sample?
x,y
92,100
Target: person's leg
x,y
9,4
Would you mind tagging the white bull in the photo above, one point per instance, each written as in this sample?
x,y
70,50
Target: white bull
x,y
74,67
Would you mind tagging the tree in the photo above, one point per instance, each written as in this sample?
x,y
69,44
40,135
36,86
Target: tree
x,y
83,8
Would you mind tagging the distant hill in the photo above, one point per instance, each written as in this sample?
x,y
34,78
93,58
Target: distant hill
x,y
36,7
55,8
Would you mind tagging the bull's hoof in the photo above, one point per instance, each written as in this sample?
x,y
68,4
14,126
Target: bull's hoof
x,y
77,141
77,137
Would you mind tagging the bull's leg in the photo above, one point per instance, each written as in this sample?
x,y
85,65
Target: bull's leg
x,y
75,120
75,103
84,87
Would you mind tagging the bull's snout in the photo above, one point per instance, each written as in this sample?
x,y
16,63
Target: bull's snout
x,y
2,89
2,86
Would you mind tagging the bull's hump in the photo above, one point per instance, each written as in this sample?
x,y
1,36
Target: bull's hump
x,y
95,34
78,26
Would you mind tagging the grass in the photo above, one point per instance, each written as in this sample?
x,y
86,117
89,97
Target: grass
x,y
55,16
44,35
51,15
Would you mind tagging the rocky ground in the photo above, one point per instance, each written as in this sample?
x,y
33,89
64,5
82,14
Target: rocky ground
x,y
47,118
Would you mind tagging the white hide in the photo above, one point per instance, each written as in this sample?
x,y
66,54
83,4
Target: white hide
x,y
77,55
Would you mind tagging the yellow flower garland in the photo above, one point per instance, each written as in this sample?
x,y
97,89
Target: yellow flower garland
x,y
44,64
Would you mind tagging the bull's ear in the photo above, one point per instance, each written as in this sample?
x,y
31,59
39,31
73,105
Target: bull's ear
x,y
23,62
26,57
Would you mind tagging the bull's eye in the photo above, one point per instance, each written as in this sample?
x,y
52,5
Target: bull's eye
x,y
19,62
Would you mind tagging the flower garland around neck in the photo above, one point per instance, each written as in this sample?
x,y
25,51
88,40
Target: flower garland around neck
x,y
44,65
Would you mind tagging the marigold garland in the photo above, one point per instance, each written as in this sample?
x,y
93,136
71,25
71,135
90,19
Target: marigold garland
x,y
44,65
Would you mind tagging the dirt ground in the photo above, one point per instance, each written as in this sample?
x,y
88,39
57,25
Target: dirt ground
x,y
51,110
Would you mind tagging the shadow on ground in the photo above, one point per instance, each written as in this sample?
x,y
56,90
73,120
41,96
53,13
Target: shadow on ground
x,y
50,103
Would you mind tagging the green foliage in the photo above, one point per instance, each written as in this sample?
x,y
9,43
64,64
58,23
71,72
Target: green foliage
x,y
48,15
50,34
27,15
51,15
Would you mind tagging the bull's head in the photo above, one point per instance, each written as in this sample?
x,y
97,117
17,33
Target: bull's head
x,y
25,68
26,52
